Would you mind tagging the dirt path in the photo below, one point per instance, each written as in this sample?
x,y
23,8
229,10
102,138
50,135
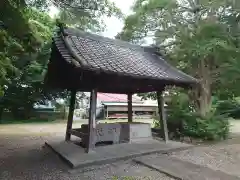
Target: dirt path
x,y
235,126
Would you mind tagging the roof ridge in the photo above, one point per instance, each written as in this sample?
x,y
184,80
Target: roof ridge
x,y
79,33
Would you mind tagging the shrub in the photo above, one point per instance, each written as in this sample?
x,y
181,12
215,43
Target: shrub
x,y
182,121
228,107
235,113
213,127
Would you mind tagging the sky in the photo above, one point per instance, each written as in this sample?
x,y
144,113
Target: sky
x,y
113,25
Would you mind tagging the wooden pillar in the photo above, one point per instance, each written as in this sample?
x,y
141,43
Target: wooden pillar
x,y
130,112
92,121
106,112
70,115
162,115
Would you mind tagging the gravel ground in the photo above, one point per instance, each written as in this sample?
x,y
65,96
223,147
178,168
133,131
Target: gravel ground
x,y
224,156
23,157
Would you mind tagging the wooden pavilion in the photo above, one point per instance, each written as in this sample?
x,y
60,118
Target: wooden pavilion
x,y
81,61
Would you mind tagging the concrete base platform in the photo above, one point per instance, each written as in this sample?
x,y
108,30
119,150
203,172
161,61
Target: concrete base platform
x,y
184,170
75,156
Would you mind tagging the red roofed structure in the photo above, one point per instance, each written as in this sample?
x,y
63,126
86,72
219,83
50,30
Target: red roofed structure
x,y
107,97
115,106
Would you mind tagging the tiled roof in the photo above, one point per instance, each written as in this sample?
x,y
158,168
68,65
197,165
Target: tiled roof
x,y
104,54
84,61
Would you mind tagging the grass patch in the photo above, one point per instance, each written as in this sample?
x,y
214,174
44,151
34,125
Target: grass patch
x,y
26,121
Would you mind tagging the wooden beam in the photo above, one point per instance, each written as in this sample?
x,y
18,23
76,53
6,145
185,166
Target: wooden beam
x,y
130,112
78,133
162,116
92,121
70,115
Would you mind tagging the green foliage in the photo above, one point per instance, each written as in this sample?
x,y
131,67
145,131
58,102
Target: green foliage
x,y
86,14
182,120
199,37
212,127
231,108
226,106
22,76
25,40
24,85
18,37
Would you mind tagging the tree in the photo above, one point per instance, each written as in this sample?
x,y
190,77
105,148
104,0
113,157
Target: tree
x,y
18,37
25,33
85,14
25,85
15,35
196,36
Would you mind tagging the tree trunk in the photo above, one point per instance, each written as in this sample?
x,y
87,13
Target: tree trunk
x,y
202,94
204,90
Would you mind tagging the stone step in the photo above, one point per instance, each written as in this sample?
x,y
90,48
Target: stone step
x,y
182,169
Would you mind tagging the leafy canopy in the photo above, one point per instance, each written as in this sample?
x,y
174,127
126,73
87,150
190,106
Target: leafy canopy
x,y
199,37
